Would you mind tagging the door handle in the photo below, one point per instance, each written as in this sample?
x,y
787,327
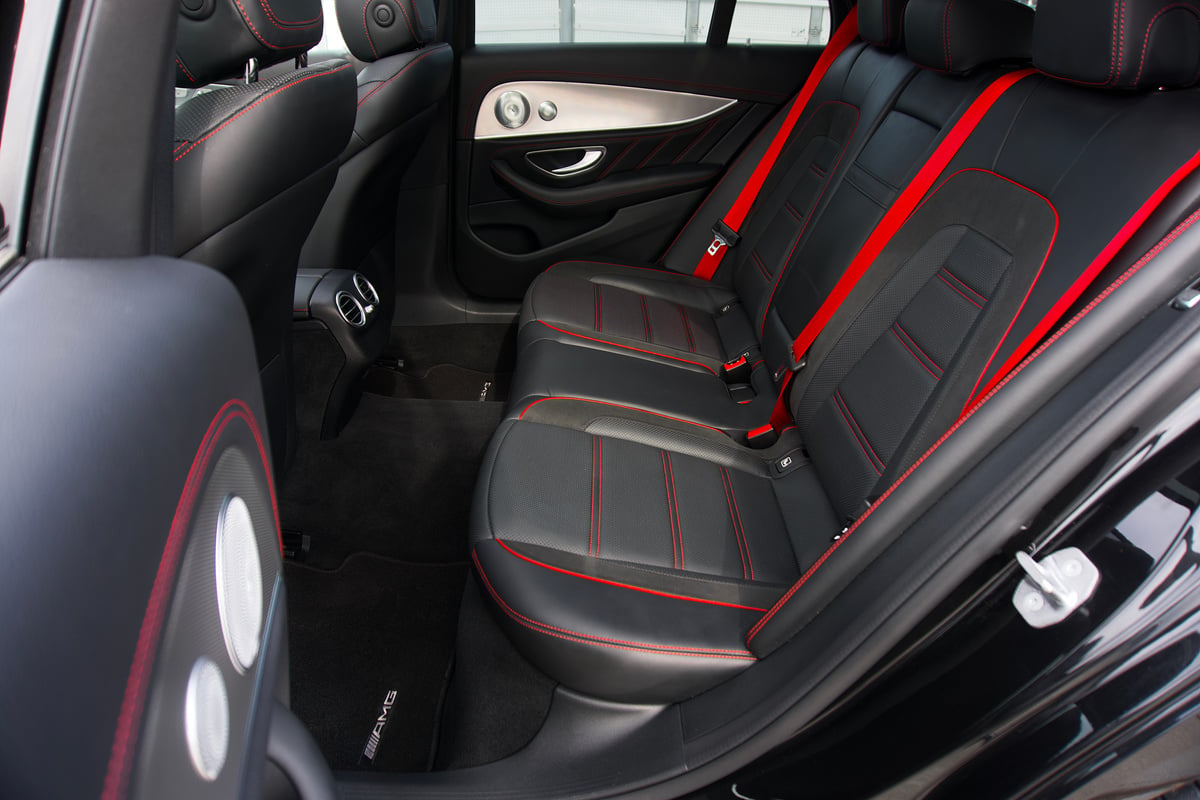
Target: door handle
x,y
559,164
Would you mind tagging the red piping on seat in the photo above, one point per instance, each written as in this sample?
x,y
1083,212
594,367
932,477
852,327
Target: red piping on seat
x,y
257,102
620,585
627,347
1129,273
599,641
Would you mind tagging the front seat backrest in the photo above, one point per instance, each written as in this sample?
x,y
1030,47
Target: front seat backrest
x,y
407,73
254,161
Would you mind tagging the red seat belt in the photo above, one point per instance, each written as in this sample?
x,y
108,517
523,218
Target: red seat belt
x,y
1102,260
891,222
725,234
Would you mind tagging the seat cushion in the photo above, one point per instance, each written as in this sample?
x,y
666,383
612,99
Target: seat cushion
x,y
628,557
641,311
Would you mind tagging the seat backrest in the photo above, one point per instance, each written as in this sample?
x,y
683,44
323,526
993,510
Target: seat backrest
x,y
253,163
406,76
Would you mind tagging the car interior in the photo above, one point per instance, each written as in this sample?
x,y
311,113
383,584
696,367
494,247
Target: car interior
x,y
627,408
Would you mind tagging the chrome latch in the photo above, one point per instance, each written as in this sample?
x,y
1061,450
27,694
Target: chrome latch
x,y
1054,587
1187,299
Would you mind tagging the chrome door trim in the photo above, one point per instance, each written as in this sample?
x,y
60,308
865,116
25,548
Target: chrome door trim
x,y
591,107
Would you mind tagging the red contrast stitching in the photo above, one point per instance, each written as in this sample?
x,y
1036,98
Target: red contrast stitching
x,y
281,24
896,330
259,101
600,641
618,405
946,33
864,444
654,152
970,412
627,347
599,319
959,282
646,321
189,75
670,511
631,587
257,35
687,328
1150,27
762,326
367,30
959,291
406,67
592,499
700,179
126,734
735,517
408,21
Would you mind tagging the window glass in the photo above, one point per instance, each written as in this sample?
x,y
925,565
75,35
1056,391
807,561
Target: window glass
x,y
541,21
780,22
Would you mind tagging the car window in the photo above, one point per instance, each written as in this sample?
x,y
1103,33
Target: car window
x,y
543,21
26,33
780,22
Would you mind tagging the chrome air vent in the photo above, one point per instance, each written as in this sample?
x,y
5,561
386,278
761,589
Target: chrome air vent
x,y
366,290
351,310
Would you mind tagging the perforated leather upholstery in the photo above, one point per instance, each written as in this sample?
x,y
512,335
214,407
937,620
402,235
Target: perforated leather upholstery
x,y
616,522
399,93
253,164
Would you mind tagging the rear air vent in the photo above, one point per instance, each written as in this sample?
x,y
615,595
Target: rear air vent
x,y
351,310
366,289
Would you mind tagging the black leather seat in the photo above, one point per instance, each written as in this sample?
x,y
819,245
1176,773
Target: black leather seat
x,y
254,162
636,557
406,76
874,119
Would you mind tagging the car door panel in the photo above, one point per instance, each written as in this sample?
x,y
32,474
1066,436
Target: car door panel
x,y
651,155
125,425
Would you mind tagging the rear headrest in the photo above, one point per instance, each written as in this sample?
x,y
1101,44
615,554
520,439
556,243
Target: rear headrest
x,y
881,22
1119,44
956,36
375,29
216,38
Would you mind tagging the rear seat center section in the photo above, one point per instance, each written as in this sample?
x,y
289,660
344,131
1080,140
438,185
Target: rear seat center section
x,y
637,546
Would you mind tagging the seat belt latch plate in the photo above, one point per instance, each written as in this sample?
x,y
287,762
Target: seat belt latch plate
x,y
763,437
723,236
737,370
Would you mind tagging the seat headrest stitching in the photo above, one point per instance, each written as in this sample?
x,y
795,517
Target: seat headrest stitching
x,y
367,29
246,18
282,24
1150,27
408,21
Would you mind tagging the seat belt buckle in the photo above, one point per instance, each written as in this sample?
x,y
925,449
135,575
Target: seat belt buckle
x,y
723,236
737,370
795,366
763,437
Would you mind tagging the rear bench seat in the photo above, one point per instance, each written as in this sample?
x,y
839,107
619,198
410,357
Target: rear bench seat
x,y
870,125
635,546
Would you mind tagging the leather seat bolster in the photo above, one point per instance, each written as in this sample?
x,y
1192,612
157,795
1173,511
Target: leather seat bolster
x,y
550,368
609,640
642,312
395,89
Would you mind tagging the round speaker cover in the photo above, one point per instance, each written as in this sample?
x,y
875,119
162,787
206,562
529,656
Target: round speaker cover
x,y
239,583
206,718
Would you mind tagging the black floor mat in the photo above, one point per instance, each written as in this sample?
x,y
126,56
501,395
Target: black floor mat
x,y
440,382
398,481
373,626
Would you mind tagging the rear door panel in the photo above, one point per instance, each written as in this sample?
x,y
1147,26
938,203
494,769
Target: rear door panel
x,y
513,218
